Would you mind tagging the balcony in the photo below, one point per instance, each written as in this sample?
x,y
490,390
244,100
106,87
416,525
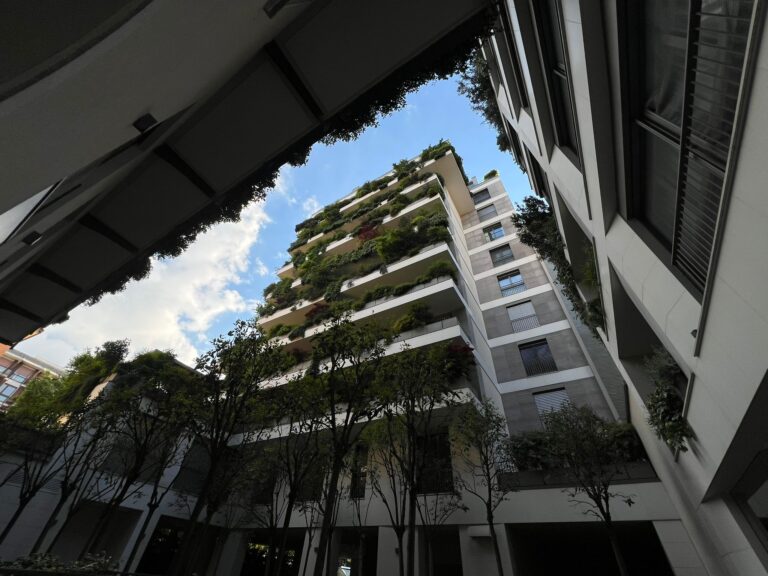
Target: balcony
x,y
287,270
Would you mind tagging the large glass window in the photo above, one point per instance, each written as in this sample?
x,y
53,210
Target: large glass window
x,y
537,358
487,212
511,283
658,54
553,50
493,232
6,391
438,472
501,255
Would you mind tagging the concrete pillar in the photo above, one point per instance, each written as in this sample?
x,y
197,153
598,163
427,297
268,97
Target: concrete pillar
x,y
231,554
477,555
679,549
132,539
309,552
387,552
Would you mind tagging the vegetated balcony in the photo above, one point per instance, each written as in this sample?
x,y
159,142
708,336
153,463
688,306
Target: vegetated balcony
x,y
401,271
441,295
350,225
287,270
446,329
532,468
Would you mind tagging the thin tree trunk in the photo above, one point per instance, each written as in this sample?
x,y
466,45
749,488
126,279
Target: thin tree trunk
x,y
400,552
623,569
178,564
142,534
270,554
325,527
16,515
495,541
411,533
284,537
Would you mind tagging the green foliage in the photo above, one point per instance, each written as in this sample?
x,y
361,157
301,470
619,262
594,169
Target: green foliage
x,y
475,84
410,236
491,174
537,227
436,270
439,150
665,405
585,447
418,315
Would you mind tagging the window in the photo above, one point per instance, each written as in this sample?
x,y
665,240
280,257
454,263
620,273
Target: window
x,y
493,232
523,316
553,52
501,255
551,400
437,474
658,54
538,182
511,283
537,358
18,378
6,391
487,213
481,196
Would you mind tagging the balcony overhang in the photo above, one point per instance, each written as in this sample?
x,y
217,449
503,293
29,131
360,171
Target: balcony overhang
x,y
123,194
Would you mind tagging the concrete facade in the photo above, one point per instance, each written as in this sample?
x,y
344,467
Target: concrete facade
x,y
709,316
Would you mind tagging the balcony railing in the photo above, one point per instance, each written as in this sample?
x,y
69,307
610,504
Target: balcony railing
x,y
428,328
416,288
717,48
513,289
540,365
525,323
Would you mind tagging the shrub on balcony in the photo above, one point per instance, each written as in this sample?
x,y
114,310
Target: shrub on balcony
x,y
418,315
491,174
665,405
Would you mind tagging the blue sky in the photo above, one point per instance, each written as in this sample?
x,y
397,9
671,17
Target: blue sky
x,y
186,301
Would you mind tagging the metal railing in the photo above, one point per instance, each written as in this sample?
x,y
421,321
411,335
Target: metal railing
x,y
717,47
525,323
416,288
428,328
534,366
513,289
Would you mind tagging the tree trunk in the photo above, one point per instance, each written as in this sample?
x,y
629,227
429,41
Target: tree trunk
x,y
325,527
495,541
16,515
400,552
142,534
268,566
411,533
178,564
623,569
284,536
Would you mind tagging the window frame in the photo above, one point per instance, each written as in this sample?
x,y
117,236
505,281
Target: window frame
x,y
482,215
474,196
497,250
511,273
533,315
531,345
487,232
547,61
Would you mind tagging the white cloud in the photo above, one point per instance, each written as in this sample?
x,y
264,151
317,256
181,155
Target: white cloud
x,y
174,306
260,268
310,205
284,185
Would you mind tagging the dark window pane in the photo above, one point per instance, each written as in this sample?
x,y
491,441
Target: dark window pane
x,y
487,213
537,358
662,56
481,196
657,172
501,255
556,48
562,100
